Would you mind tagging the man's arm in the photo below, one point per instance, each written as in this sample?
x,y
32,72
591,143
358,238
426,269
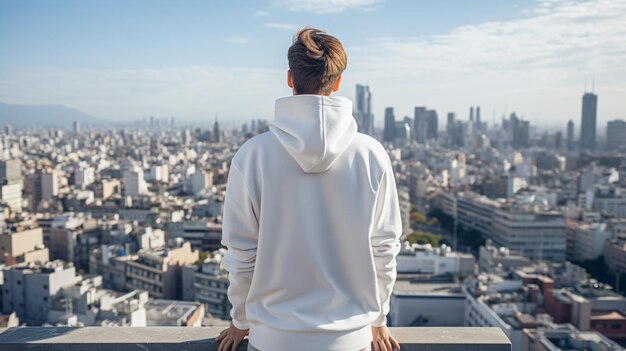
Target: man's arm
x,y
239,234
385,239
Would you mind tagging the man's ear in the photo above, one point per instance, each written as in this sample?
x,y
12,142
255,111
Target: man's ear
x,y
289,79
336,85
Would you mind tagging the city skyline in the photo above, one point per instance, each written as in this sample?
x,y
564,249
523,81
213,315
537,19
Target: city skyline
x,y
504,226
144,179
193,60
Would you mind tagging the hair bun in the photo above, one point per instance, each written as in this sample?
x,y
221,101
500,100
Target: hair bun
x,y
311,39
316,61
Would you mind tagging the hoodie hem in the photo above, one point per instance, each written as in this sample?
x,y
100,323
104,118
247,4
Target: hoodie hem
x,y
267,338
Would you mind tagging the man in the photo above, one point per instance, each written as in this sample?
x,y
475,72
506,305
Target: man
x,y
311,220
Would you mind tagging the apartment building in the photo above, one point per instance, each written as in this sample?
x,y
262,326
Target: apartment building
x,y
536,234
28,288
442,260
22,245
158,270
585,241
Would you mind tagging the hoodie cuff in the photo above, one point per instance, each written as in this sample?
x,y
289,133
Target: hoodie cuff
x,y
242,325
381,321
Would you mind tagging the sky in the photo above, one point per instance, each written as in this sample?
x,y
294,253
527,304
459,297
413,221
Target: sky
x,y
124,60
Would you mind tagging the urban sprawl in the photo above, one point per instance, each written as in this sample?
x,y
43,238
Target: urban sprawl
x,y
505,225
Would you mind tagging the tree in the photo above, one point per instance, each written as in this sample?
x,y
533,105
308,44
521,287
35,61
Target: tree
x,y
422,238
201,257
418,217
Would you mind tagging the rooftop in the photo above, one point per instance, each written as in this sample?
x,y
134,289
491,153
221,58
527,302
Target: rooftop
x,y
202,339
414,287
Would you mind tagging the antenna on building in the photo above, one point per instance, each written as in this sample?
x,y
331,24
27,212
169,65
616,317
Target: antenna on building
x,y
593,85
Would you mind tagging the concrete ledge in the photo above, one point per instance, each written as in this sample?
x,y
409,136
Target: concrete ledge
x,y
202,339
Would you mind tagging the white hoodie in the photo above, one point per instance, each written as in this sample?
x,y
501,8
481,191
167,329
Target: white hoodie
x,y
312,226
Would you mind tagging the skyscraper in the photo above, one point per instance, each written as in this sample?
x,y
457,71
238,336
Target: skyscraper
x,y
420,124
432,128
216,131
570,135
616,134
390,125
425,124
451,128
558,136
588,122
402,130
520,131
363,109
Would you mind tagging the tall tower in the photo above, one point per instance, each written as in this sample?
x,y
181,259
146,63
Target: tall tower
x,y
616,134
451,128
390,125
420,124
216,131
588,122
432,125
570,135
363,112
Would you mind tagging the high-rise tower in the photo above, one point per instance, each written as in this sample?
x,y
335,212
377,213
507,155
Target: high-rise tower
x,y
363,109
588,122
216,131
390,125
570,135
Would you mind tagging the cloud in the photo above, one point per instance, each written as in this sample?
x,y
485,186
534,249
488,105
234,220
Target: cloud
x,y
237,40
537,63
326,6
284,26
582,36
261,13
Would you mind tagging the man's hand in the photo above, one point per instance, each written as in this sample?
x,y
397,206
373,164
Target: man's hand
x,y
383,340
230,338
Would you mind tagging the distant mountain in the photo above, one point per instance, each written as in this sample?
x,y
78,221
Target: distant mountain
x,y
43,115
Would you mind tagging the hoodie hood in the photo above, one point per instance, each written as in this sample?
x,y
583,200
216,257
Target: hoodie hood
x,y
314,129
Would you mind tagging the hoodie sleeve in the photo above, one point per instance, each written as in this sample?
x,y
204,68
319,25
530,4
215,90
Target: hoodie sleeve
x,y
385,239
239,235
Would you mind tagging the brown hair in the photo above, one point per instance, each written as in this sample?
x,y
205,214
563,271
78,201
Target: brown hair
x,y
316,60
